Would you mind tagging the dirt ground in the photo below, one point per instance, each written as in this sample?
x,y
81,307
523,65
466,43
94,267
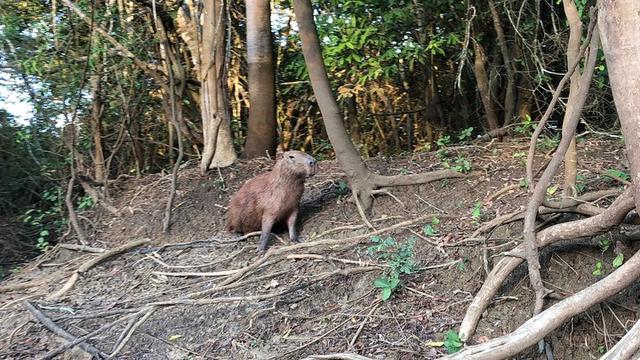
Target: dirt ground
x,y
315,300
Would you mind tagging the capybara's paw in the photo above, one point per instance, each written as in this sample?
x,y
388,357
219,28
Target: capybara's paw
x,y
299,239
260,250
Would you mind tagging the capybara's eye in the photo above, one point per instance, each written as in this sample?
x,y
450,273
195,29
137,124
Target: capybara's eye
x,y
291,156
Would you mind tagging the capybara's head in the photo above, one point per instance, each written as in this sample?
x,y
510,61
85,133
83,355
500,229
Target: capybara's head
x,y
299,163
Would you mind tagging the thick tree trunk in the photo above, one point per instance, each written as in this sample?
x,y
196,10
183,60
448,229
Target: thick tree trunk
x,y
261,135
214,104
619,25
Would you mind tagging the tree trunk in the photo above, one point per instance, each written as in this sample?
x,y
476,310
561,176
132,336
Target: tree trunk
x,y
361,180
483,86
619,25
509,99
96,125
346,153
214,104
261,135
573,48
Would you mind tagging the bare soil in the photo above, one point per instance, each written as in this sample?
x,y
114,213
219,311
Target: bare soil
x,y
337,313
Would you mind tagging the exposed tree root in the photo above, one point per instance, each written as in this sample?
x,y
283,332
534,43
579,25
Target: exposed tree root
x,y
93,262
49,324
540,325
627,347
540,188
571,230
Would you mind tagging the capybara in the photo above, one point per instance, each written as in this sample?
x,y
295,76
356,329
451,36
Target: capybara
x,y
272,198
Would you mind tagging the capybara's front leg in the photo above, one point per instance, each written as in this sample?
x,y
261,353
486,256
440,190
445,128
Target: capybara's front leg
x,y
267,224
291,223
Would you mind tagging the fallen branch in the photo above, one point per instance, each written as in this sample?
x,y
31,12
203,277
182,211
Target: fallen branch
x,y
540,325
339,356
49,324
93,262
127,335
82,248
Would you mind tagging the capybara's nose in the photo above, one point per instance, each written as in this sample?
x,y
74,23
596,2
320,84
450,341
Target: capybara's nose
x,y
312,162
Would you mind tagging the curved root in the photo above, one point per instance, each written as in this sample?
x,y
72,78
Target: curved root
x,y
537,327
571,230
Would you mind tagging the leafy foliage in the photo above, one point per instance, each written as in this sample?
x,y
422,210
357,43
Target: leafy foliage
x,y
399,257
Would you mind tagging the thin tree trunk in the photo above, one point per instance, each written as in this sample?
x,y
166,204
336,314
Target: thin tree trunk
x,y
347,155
573,48
483,86
261,134
96,125
509,98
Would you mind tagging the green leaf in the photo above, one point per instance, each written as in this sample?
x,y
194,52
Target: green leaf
x,y
452,342
381,282
428,230
386,294
617,262
597,270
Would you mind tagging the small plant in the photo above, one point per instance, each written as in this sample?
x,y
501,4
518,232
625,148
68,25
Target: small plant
x,y
523,183
604,244
617,262
462,264
552,190
525,127
85,202
617,174
597,269
430,229
601,349
387,284
404,171
465,134
548,143
452,342
398,256
41,243
462,165
477,211
580,185
442,143
343,188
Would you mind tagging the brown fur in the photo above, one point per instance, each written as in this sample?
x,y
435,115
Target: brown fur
x,y
271,198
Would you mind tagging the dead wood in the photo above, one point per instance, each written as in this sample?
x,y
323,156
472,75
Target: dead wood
x,y
339,356
82,248
49,324
570,230
93,262
540,325
126,335
16,287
